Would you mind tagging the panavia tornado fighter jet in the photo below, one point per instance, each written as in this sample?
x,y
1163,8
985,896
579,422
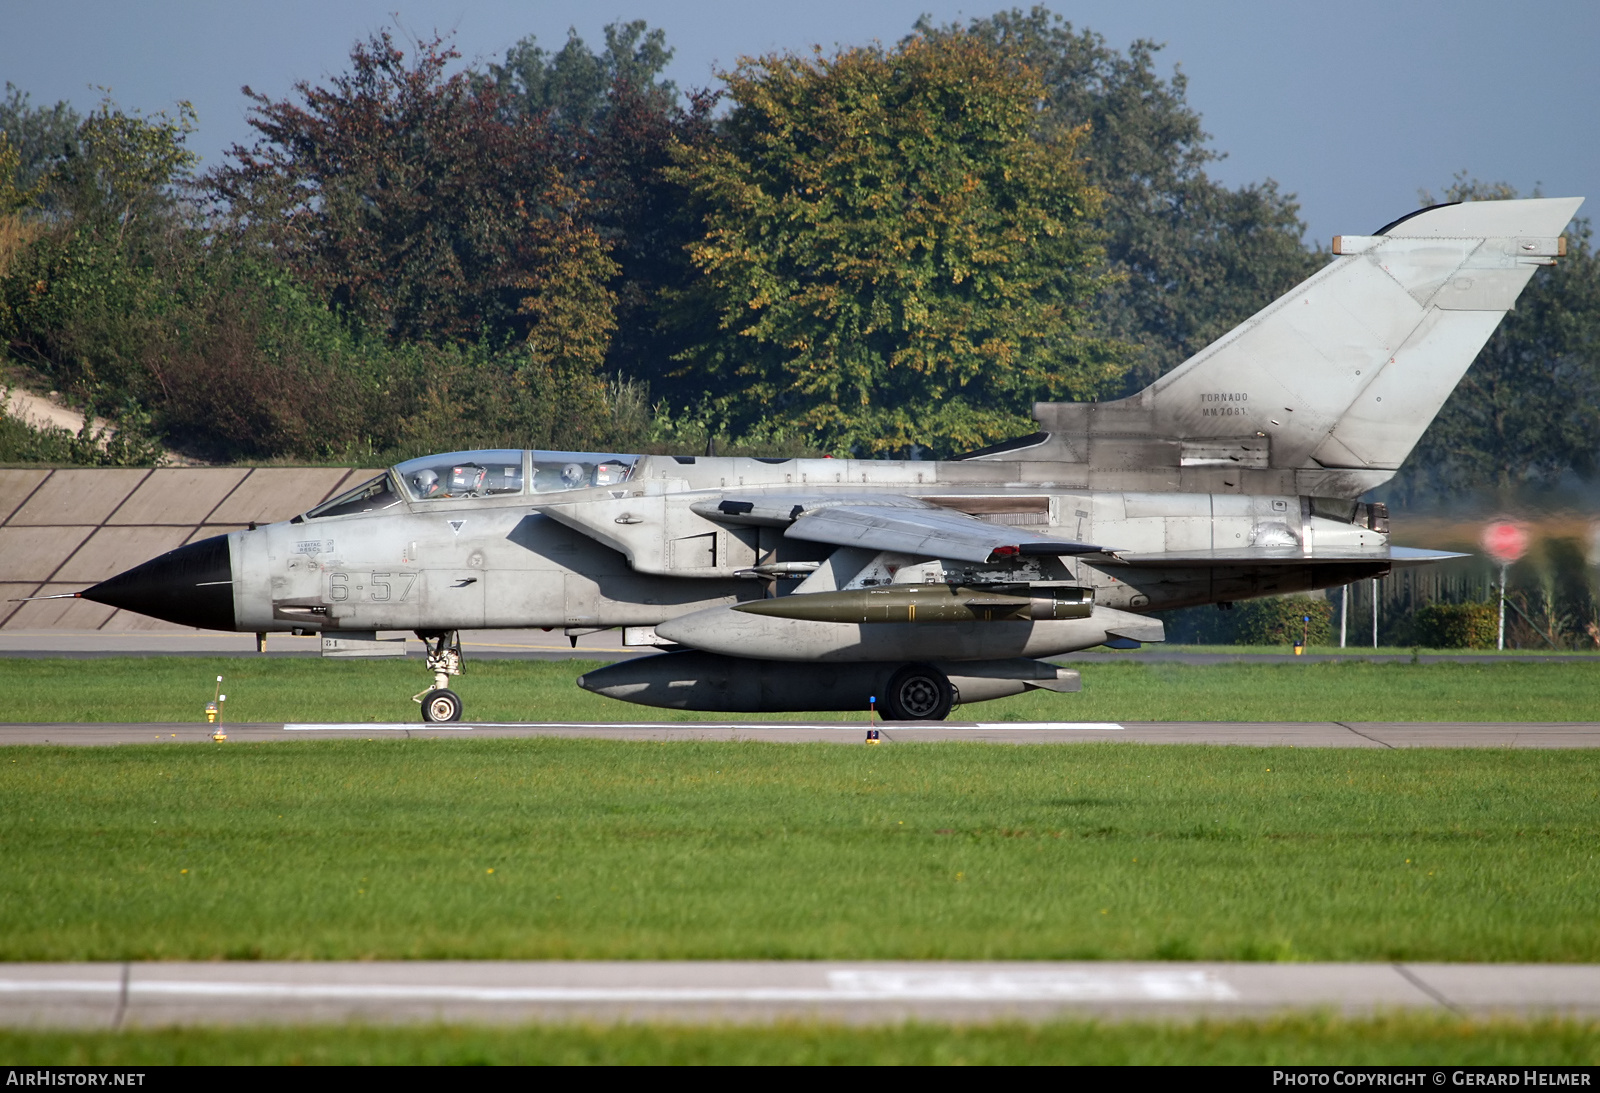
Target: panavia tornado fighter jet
x,y
818,584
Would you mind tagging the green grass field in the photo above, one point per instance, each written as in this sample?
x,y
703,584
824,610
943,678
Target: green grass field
x,y
546,848
1357,648
1288,1041
296,689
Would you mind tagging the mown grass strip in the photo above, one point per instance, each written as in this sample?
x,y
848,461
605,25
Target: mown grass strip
x,y
564,849
1300,1040
283,689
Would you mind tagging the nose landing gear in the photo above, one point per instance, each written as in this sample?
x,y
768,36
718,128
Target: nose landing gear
x,y
439,703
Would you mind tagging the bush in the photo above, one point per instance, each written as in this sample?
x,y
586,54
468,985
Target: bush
x,y
1281,621
124,442
1276,621
1456,625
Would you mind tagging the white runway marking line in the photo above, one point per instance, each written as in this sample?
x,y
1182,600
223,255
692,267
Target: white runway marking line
x,y
843,986
378,727
1051,726
1042,986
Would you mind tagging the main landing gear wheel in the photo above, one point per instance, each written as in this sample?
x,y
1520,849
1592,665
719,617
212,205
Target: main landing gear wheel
x,y
441,706
919,692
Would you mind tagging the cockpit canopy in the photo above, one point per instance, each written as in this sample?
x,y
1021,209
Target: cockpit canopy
x,y
554,472
461,474
482,474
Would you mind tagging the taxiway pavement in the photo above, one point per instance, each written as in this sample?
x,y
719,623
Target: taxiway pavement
x,y
110,995
1300,734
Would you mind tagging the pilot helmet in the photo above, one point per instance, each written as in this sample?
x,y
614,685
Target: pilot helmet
x,y
573,475
427,482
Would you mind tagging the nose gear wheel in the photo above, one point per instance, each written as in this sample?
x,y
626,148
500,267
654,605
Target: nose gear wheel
x,y
441,706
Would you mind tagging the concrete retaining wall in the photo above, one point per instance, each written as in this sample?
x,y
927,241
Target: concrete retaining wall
x,y
63,530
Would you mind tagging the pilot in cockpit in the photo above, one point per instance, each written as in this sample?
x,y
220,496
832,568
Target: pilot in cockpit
x,y
426,483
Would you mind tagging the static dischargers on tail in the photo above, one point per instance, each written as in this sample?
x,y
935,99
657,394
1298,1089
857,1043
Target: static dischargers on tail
x,y
817,584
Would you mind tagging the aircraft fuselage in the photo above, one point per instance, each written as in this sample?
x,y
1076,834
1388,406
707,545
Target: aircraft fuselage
x,y
643,556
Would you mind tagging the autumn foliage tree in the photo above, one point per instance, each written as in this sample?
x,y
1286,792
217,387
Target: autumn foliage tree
x,y
406,197
415,204
893,254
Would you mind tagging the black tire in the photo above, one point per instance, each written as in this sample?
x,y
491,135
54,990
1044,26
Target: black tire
x,y
441,706
918,692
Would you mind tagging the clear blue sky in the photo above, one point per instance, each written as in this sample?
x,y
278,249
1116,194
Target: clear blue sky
x,y
1352,105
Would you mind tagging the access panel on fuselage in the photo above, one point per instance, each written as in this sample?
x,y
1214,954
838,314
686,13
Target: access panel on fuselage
x,y
453,599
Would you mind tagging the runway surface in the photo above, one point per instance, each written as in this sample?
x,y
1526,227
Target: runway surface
x,y
1307,734
121,995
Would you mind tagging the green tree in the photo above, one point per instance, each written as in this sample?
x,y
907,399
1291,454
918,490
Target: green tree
x,y
894,255
1528,410
620,119
14,196
1193,257
648,219
125,176
78,301
43,136
573,86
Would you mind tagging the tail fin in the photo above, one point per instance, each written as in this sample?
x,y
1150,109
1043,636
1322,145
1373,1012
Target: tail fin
x,y
1328,389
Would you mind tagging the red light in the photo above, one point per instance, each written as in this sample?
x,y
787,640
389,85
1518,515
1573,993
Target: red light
x,y
1505,541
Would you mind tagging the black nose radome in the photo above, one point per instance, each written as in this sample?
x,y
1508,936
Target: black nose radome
x,y
191,586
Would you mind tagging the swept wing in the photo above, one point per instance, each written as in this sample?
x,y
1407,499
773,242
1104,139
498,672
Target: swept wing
x,y
895,522
930,533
